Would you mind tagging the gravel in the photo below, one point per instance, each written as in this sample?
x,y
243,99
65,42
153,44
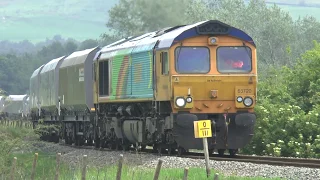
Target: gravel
x,y
97,158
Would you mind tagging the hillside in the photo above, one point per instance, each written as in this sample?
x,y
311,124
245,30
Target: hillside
x,y
37,20
298,8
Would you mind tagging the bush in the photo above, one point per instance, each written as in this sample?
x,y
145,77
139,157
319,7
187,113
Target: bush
x,y
12,139
288,110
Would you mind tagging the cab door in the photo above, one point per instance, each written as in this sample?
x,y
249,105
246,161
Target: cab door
x,y
162,92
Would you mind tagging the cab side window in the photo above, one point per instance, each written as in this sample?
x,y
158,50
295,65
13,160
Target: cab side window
x,y
164,63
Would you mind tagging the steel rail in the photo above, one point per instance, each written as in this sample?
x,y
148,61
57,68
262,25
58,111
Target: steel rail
x,y
269,160
279,161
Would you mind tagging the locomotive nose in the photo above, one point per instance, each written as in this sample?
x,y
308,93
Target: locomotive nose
x,y
209,94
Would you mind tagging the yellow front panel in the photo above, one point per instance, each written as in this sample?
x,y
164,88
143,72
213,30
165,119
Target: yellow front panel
x,y
209,92
214,91
201,86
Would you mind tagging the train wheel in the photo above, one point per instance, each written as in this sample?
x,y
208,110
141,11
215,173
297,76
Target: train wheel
x,y
181,151
143,147
221,152
56,138
211,151
154,148
160,150
171,150
97,143
125,147
118,146
69,140
80,140
233,152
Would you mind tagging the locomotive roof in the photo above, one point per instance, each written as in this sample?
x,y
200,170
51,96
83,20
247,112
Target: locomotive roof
x,y
77,57
51,65
35,73
169,36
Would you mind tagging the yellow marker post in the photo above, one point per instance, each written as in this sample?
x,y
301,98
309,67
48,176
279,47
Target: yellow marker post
x,y
202,129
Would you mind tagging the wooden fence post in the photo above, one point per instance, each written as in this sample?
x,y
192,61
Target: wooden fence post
x,y
185,176
158,168
57,166
34,166
216,176
84,168
13,169
120,167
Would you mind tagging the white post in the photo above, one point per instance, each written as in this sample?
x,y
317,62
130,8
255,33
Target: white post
x,y
206,155
59,108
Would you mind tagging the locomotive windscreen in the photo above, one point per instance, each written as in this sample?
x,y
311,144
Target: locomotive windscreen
x,y
192,60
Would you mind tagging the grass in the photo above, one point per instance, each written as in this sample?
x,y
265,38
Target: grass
x,y
36,20
47,164
15,142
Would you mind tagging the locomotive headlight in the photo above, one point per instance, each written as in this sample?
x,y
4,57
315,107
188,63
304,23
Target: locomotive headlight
x,y
189,99
239,99
180,102
248,101
213,40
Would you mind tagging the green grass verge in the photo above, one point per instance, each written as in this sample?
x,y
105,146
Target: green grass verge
x,y
46,166
15,142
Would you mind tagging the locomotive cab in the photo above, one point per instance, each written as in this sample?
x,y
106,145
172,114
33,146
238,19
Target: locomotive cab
x,y
211,75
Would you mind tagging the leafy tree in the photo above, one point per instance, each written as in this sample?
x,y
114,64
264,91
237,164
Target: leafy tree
x,y
288,110
70,47
133,17
274,37
89,43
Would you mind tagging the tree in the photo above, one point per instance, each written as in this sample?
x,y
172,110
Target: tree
x,y
288,110
134,17
87,44
280,40
70,47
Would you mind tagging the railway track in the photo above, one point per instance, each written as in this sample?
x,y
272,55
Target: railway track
x,y
296,162
279,161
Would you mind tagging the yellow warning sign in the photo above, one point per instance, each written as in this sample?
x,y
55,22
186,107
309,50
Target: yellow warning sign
x,y
176,79
202,129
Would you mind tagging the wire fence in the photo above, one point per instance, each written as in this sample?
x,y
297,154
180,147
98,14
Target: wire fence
x,y
16,123
84,169
72,172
